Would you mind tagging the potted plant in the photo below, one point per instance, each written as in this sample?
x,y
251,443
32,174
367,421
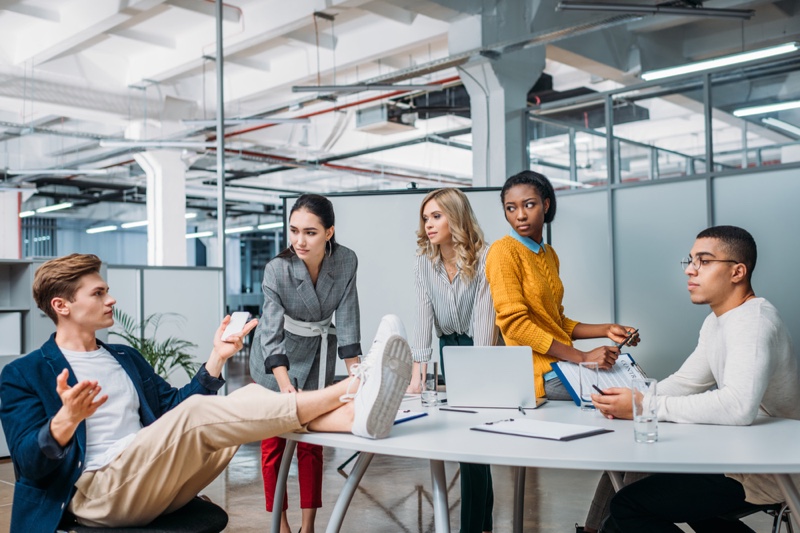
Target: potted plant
x,y
165,355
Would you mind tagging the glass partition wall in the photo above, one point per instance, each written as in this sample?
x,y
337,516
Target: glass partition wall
x,y
717,122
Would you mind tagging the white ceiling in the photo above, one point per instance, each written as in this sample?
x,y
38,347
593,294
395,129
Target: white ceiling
x,y
73,72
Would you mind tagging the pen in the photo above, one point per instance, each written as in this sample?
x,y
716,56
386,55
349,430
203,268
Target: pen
x,y
521,410
598,389
296,387
627,338
457,410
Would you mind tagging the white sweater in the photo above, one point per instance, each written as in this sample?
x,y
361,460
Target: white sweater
x,y
744,365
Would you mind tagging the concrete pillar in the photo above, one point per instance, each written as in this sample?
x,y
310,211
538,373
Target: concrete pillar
x,y
166,206
11,236
498,89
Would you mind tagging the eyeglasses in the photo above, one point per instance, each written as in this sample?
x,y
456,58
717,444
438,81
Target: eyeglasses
x,y
698,262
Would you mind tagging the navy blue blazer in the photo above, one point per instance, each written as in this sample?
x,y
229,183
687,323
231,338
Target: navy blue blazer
x,y
46,472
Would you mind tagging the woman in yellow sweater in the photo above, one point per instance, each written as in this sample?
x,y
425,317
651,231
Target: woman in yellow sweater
x,y
527,290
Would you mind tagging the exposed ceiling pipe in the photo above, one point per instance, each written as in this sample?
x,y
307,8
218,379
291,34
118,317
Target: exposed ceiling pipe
x,y
338,107
342,168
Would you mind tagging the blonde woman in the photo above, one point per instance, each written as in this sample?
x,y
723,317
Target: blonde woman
x,y
453,298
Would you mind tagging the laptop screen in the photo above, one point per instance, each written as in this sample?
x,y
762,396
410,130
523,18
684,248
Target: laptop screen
x,y
490,376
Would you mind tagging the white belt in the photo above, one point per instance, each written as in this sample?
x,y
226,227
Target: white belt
x,y
321,329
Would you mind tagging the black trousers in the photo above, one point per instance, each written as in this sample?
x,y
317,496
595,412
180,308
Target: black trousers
x,y
655,504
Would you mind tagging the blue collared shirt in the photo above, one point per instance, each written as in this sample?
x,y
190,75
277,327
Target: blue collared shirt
x,y
529,243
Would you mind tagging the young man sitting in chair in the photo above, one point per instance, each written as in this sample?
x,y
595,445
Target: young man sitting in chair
x,y
96,435
744,365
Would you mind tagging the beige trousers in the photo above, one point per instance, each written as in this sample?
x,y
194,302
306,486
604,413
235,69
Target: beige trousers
x,y
174,458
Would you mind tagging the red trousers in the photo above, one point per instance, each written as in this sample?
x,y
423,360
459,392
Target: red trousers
x,y
309,463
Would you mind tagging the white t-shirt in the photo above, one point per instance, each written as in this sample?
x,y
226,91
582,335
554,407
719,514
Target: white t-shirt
x,y
115,423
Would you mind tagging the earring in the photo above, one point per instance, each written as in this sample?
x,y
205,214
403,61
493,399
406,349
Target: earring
x,y
329,247
292,248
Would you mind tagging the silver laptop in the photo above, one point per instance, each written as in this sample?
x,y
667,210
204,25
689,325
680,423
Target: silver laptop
x,y
499,377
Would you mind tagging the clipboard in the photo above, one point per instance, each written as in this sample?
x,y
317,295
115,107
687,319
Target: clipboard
x,y
624,371
539,429
404,415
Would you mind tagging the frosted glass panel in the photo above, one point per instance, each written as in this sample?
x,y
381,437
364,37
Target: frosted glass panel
x,y
655,227
580,237
765,204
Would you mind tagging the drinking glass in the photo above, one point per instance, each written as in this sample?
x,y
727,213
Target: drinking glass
x,y
645,410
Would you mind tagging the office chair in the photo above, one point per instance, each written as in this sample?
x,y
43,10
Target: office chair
x,y
197,516
779,512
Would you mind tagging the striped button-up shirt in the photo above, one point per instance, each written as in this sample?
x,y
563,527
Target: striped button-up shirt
x,y
458,307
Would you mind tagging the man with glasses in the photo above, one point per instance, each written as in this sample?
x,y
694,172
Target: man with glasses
x,y
744,365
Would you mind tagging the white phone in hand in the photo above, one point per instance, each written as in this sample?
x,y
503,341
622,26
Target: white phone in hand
x,y
238,320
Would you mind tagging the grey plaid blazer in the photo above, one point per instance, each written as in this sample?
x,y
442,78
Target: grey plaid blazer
x,y
288,290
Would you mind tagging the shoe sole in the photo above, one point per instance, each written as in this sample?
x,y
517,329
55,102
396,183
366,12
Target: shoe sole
x,y
396,368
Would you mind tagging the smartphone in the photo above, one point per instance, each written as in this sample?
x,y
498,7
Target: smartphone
x,y
237,323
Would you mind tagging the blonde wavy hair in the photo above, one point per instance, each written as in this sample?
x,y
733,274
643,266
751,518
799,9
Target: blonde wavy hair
x,y
467,235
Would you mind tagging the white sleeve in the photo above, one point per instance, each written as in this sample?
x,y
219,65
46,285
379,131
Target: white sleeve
x,y
483,328
423,325
743,375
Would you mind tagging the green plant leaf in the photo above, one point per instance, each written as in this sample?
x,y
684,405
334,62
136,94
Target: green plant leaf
x,y
164,356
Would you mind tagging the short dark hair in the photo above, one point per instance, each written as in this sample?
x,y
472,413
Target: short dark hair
x,y
317,205
737,242
60,278
540,183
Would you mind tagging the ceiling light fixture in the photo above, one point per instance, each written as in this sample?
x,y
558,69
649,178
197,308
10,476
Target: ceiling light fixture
x,y
101,229
769,108
60,171
242,229
54,207
571,183
656,10
199,234
157,144
774,122
363,87
270,225
137,224
239,121
23,214
725,61
140,223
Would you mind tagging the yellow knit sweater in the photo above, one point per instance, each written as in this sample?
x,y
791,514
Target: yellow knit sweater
x,y
527,294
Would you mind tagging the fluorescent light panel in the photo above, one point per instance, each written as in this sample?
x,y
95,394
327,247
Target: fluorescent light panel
x,y
242,229
140,223
157,144
769,108
60,171
363,87
199,234
55,207
270,225
23,214
240,121
137,224
725,61
774,122
101,229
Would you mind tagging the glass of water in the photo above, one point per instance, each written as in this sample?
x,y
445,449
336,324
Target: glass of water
x,y
645,410
429,381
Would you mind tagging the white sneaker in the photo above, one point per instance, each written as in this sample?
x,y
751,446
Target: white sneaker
x,y
389,325
384,379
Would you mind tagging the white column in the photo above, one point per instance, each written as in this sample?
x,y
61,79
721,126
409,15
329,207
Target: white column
x,y
11,236
498,90
166,206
